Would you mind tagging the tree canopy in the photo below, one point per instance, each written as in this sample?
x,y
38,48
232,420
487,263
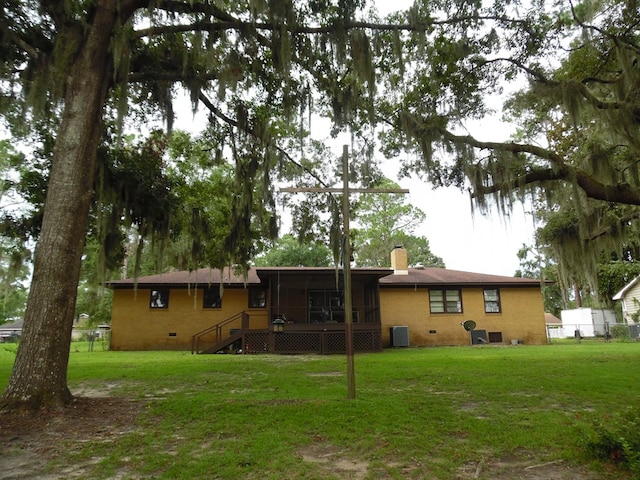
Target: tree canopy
x,y
288,251
386,221
575,153
76,76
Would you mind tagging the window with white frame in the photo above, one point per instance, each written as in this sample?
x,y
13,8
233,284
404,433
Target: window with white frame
x,y
159,298
492,300
445,301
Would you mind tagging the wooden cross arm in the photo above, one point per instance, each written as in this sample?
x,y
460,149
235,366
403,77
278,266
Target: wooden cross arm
x,y
341,190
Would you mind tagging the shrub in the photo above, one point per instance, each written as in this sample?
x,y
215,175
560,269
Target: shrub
x,y
620,331
616,438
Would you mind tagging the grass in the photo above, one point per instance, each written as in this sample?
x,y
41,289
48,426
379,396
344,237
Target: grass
x,y
419,413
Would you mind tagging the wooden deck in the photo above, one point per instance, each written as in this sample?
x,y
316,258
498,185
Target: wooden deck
x,y
326,338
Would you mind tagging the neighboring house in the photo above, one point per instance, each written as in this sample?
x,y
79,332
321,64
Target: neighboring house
x,y
10,332
630,299
554,326
81,328
300,309
590,322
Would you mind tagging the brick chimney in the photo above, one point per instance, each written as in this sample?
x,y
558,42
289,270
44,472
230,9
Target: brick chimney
x,y
399,261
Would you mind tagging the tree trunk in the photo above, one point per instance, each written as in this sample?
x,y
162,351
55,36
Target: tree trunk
x,y
39,376
578,295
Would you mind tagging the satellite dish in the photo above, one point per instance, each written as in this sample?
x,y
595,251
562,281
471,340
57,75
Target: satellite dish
x,y
469,325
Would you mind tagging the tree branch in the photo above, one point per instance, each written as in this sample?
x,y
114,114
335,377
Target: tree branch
x,y
579,85
538,76
20,42
617,39
229,121
24,36
137,77
619,225
619,193
176,6
229,23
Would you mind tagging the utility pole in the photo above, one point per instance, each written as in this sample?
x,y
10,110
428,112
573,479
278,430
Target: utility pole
x,y
346,213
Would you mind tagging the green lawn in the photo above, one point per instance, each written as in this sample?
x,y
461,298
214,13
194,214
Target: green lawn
x,y
437,413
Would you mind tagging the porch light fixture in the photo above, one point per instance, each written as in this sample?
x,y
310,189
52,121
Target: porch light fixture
x,y
278,325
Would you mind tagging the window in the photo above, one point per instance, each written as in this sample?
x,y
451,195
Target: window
x,y
257,298
491,300
445,301
327,306
211,298
159,298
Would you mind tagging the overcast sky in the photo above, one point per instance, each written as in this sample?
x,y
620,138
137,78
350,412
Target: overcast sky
x,y
466,241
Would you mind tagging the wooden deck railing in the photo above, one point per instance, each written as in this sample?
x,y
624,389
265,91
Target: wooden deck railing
x,y
218,329
296,337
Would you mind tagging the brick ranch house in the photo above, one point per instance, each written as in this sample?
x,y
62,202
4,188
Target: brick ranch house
x,y
300,309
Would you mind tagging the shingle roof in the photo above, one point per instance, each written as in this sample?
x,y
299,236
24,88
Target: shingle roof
x,y
201,276
416,276
443,276
625,289
17,325
551,319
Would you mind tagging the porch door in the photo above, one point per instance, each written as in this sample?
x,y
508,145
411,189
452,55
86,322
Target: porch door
x,y
326,306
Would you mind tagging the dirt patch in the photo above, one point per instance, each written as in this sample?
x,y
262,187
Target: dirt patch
x,y
30,442
524,470
334,461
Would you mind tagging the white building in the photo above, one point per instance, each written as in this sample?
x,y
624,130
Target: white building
x,y
590,322
630,299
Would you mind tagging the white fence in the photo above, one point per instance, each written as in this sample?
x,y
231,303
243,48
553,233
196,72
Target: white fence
x,y
615,330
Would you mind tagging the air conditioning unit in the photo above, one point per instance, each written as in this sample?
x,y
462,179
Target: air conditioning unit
x,y
399,336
